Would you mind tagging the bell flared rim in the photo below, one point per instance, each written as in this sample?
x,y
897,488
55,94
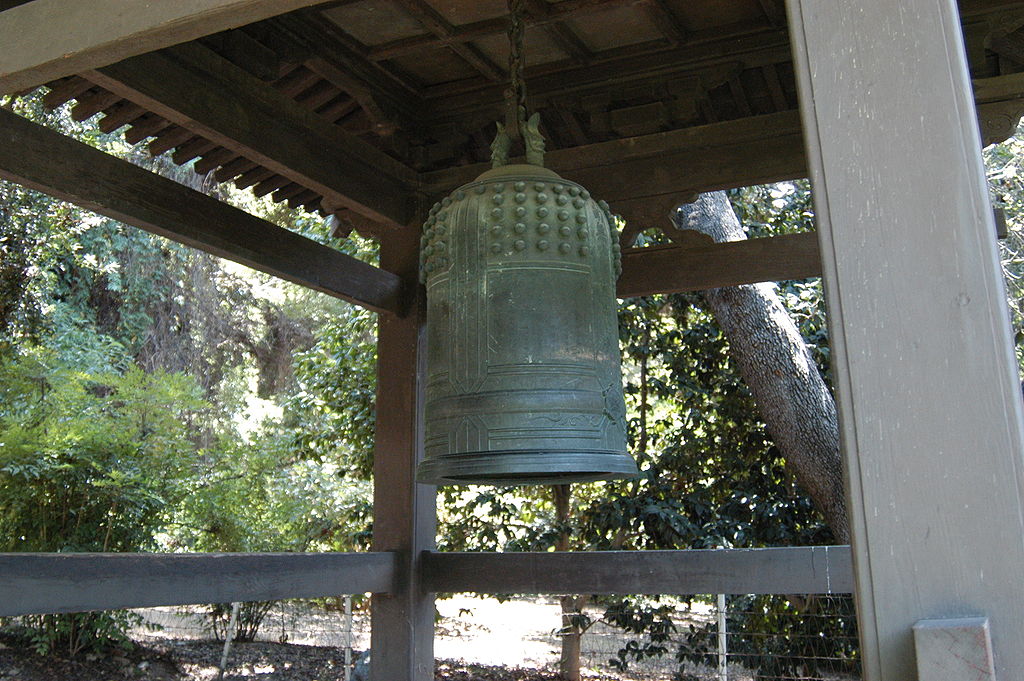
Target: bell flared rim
x,y
506,468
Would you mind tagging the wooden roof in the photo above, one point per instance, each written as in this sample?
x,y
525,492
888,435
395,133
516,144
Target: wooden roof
x,y
366,108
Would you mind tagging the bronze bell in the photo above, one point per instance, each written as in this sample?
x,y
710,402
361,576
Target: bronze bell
x,y
523,372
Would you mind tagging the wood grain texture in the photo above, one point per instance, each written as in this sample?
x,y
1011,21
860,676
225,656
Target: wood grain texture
x,y
404,515
929,397
47,161
644,177
202,92
675,269
52,582
48,39
817,569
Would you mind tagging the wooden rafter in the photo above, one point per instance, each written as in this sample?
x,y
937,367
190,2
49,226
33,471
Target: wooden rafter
x,y
47,161
752,43
771,78
64,90
775,11
445,33
122,113
739,95
666,21
90,104
241,113
488,27
539,13
48,39
385,95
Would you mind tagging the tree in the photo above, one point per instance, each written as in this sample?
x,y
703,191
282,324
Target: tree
x,y
1004,165
775,363
123,377
89,461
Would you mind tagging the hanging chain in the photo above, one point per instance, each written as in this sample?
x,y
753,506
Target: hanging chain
x,y
515,96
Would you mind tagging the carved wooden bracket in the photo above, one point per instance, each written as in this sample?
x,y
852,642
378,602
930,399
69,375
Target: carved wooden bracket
x,y
999,120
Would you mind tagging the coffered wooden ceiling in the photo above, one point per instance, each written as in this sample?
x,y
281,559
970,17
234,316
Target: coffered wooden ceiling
x,y
402,91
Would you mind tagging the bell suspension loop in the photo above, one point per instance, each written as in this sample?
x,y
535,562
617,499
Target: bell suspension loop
x,y
515,96
517,126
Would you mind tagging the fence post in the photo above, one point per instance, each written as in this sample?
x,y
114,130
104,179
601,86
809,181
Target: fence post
x,y
723,652
348,637
229,636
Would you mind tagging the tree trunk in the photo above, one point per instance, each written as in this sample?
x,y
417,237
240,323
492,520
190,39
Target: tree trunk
x,y
773,359
571,632
572,639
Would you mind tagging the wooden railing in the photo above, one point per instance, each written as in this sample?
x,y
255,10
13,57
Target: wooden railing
x,y
38,583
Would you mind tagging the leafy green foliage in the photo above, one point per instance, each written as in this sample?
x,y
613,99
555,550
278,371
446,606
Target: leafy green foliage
x,y
78,453
646,618
89,461
1004,165
126,366
337,386
781,637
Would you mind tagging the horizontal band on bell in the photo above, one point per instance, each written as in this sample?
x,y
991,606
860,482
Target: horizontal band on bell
x,y
526,468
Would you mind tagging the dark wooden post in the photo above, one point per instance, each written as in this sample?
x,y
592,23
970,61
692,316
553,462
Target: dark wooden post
x,y
402,636
930,402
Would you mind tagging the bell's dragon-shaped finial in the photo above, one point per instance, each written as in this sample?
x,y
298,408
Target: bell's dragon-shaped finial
x,y
500,147
533,141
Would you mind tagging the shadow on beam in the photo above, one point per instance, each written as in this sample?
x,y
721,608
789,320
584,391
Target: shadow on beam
x,y
787,570
674,269
50,583
47,161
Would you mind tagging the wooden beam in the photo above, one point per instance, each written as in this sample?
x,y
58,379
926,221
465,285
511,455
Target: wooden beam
x,y
664,17
804,570
434,22
749,42
196,89
561,34
45,40
41,583
559,12
404,512
923,361
675,269
47,161
389,99
774,11
643,178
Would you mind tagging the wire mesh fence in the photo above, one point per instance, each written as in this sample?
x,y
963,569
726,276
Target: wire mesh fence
x,y
713,638
696,638
300,622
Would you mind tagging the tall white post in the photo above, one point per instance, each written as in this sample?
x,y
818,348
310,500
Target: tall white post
x,y
930,402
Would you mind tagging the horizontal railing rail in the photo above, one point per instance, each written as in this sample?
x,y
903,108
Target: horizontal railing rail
x,y
782,570
40,583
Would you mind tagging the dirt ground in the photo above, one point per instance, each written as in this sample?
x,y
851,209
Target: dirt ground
x,y
192,660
